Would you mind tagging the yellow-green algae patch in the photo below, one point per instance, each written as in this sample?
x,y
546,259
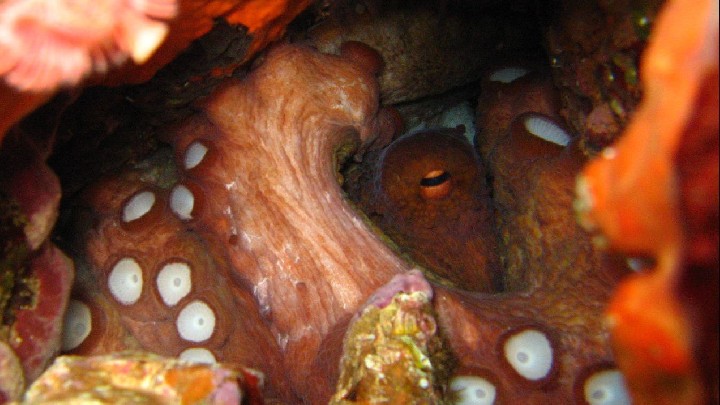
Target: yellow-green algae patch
x,y
392,355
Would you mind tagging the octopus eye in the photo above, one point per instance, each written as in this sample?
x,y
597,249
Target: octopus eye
x,y
435,185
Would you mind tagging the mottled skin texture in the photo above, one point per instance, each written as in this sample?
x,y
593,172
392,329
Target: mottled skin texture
x,y
269,208
532,181
701,230
555,280
561,291
28,180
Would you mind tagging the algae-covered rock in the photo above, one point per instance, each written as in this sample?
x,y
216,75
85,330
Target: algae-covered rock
x,y
392,349
135,377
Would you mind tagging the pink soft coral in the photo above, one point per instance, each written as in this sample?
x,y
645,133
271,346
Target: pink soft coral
x,y
46,44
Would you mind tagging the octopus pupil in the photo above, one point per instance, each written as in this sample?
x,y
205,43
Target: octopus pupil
x,y
598,394
435,179
480,393
522,357
177,282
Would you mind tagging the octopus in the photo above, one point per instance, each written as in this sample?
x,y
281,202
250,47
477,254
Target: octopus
x,y
532,160
427,191
239,246
246,250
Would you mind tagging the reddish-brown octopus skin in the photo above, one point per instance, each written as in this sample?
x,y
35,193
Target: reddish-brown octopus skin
x,y
156,239
500,102
256,213
654,194
557,282
269,197
533,181
430,196
532,177
561,293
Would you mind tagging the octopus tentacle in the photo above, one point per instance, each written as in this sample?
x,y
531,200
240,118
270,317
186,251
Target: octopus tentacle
x,y
543,340
161,287
507,94
277,207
